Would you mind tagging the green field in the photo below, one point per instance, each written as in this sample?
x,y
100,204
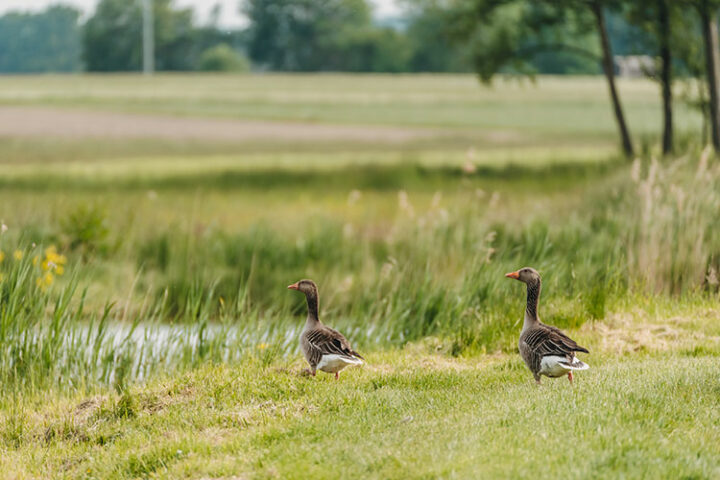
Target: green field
x,y
575,110
167,346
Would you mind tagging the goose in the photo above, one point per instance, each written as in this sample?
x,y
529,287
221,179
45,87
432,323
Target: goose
x,y
325,349
544,348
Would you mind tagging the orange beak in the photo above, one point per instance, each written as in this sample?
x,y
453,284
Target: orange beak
x,y
294,286
514,275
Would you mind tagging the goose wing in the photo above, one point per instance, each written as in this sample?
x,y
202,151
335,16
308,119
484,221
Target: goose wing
x,y
326,341
548,340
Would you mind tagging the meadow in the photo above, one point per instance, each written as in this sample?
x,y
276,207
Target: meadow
x,y
147,331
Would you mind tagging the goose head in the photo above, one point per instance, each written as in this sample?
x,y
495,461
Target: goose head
x,y
307,287
526,275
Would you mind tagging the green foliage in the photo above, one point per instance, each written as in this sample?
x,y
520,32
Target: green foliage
x,y
112,38
373,49
515,36
512,36
85,228
311,35
303,35
40,42
222,58
154,252
429,26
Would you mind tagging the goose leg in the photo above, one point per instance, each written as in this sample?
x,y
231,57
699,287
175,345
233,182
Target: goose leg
x,y
337,376
537,379
570,377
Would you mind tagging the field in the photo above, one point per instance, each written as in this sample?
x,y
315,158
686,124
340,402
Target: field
x,y
154,223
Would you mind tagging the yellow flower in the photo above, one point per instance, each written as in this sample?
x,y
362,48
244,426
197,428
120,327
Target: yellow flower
x,y
263,346
52,257
53,262
44,281
18,254
2,256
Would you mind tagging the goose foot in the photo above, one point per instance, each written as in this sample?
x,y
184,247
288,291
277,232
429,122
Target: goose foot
x,y
570,377
537,381
337,376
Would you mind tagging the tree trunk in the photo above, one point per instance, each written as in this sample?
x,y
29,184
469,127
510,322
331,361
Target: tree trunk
x,y
609,69
666,74
708,18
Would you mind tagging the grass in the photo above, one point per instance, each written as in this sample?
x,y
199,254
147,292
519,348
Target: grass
x,y
407,414
168,346
225,290
554,107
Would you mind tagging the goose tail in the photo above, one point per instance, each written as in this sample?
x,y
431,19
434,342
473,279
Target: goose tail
x,y
575,365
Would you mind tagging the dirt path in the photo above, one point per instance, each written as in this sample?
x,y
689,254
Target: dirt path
x,y
78,124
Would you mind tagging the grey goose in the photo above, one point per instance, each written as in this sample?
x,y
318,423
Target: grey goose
x,y
325,349
545,349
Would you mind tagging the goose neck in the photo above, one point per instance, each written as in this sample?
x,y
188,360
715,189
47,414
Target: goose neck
x,y
533,299
312,303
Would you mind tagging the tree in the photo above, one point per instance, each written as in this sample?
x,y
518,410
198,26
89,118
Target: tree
x,y
689,62
666,75
48,41
708,19
222,58
657,19
428,35
303,35
597,8
112,37
507,33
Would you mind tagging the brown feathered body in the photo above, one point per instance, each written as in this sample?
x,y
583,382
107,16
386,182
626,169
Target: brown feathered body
x,y
327,349
548,351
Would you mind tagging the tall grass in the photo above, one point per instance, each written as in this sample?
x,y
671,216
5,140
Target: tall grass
x,y
674,246
435,270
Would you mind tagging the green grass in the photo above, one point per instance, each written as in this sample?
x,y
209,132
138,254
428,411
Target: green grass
x,y
168,347
566,108
407,414
393,267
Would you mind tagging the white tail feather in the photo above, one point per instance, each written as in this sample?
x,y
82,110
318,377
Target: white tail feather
x,y
334,363
576,365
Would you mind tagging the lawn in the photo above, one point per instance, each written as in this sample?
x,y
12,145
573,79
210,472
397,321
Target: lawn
x,y
166,344
407,414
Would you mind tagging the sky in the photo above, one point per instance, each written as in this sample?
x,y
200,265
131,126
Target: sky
x,y
230,16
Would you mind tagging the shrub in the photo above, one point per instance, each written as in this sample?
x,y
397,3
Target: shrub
x,y
222,58
86,228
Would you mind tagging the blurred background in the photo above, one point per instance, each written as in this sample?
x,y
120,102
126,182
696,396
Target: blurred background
x,y
170,166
